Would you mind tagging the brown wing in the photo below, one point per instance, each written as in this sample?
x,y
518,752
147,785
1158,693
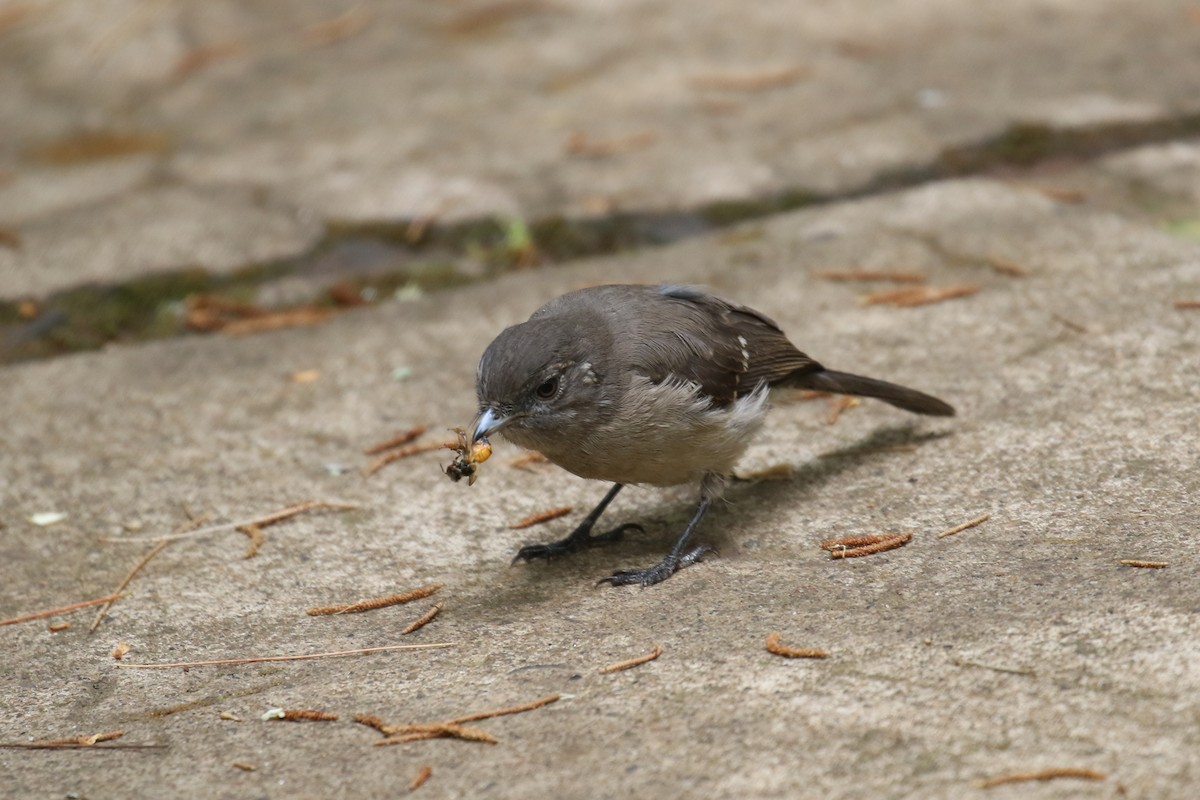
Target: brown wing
x,y
729,350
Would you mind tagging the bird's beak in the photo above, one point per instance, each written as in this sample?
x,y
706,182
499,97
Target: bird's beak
x,y
487,423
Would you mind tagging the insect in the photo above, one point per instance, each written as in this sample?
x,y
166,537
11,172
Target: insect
x,y
469,456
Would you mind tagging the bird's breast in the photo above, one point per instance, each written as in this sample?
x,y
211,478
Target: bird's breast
x,y
661,434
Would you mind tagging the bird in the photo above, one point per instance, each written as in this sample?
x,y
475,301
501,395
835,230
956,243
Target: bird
x,y
657,385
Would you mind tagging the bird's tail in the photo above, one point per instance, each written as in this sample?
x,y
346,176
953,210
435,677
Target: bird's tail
x,y
827,380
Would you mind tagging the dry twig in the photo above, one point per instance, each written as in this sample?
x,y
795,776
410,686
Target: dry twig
x,y
404,452
304,715
1133,562
423,620
61,610
633,662
920,295
503,712
752,82
1043,775
262,522
398,440
966,525
856,546
73,742
376,602
401,734
419,779
198,58
124,583
302,657
1007,267
371,721
580,144
775,646
540,517
343,26
454,728
257,537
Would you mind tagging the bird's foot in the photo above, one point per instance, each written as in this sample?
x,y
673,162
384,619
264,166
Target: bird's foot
x,y
660,571
580,539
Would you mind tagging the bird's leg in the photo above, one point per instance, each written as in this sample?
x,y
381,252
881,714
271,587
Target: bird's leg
x,y
679,557
581,537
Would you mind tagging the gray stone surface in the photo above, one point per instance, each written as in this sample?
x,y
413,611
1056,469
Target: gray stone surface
x,y
1018,645
378,110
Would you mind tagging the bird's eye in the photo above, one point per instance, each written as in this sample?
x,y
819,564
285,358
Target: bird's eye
x,y
548,388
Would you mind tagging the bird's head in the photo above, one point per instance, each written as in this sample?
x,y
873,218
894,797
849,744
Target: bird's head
x,y
542,380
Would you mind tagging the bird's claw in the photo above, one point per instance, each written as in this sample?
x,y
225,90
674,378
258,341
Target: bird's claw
x,y
578,540
660,571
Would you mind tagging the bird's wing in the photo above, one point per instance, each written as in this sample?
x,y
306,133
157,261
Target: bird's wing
x,y
727,349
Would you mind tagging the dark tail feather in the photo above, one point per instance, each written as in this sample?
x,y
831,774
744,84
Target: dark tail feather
x,y
845,383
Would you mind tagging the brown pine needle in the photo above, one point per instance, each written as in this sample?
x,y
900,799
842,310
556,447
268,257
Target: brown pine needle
x,y
751,82
1007,267
855,541
376,602
1187,305
77,741
423,620
371,721
400,734
965,526
849,548
399,440
306,715
124,583
61,610
580,144
301,657
632,662
404,452
262,522
257,537
847,275
419,779
343,26
1133,562
542,701
1043,775
933,295
455,728
919,296
540,517
775,646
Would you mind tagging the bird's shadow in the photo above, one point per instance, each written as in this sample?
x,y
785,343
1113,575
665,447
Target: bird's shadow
x,y
666,520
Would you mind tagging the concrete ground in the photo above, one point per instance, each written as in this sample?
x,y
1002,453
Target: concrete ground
x,y
1016,646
